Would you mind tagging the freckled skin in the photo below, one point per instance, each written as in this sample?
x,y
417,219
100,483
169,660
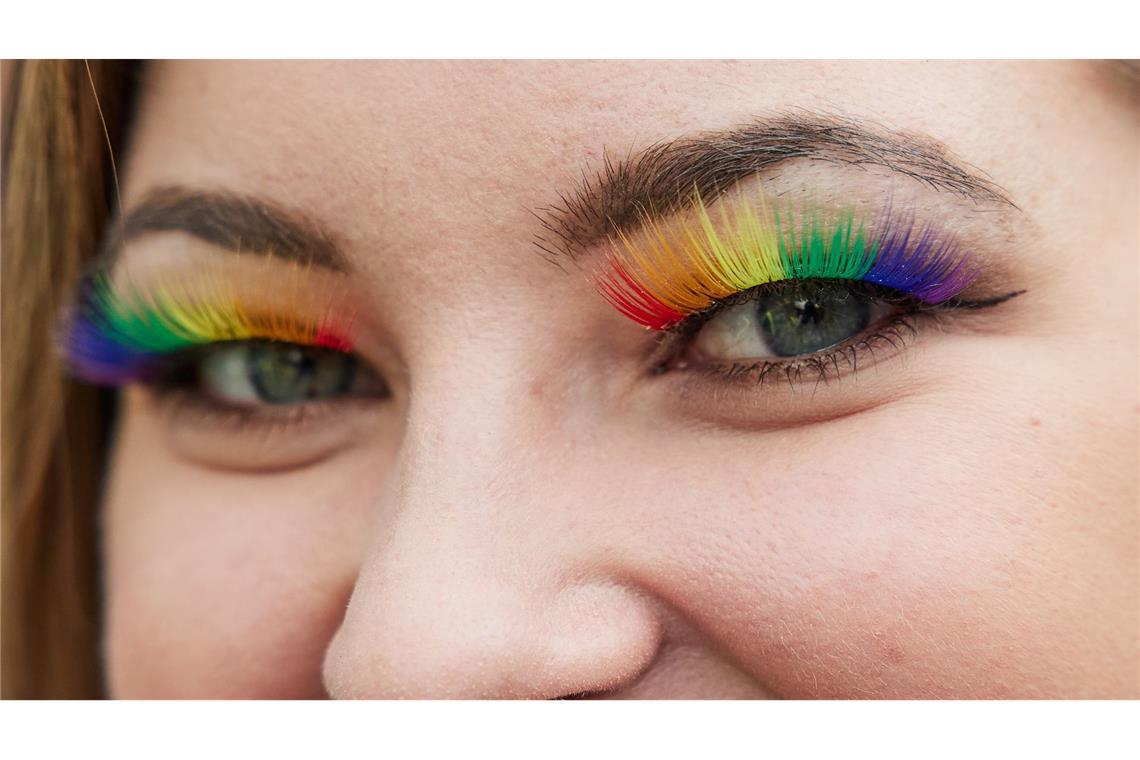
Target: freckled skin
x,y
535,515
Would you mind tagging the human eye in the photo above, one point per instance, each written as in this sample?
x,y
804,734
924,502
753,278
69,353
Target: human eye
x,y
786,294
788,320
257,373
260,376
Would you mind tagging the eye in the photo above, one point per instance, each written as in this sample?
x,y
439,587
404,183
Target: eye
x,y
788,319
254,373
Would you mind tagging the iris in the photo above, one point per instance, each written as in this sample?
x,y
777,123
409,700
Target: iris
x,y
806,318
270,372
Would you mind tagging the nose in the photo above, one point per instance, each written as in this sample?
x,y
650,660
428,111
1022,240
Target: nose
x,y
485,578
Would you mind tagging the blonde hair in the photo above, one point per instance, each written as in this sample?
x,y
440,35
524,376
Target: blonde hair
x,y
58,196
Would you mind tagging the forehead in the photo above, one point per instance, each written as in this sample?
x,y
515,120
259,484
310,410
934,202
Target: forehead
x,y
498,127
458,155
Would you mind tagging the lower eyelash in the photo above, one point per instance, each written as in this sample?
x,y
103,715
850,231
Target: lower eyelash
x,y
190,405
824,366
187,407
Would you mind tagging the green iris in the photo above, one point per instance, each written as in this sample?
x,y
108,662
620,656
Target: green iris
x,y
284,373
804,318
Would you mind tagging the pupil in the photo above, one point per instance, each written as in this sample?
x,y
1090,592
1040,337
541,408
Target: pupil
x,y
809,312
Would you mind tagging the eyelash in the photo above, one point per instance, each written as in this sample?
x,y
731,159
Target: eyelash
x,y
667,270
185,401
118,334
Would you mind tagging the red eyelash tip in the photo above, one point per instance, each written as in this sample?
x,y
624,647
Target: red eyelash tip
x,y
328,339
631,299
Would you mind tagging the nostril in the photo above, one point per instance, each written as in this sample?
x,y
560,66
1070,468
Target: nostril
x,y
597,693
584,695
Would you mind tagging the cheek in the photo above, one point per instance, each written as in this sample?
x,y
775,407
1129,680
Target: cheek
x,y
916,550
201,564
944,545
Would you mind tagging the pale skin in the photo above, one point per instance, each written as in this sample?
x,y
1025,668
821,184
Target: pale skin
x,y
532,514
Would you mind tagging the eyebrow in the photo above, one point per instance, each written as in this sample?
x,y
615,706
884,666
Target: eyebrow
x,y
662,178
239,223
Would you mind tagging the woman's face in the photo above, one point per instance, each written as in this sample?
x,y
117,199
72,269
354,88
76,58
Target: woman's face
x,y
536,506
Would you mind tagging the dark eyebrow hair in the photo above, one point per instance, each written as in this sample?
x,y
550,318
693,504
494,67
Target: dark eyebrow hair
x,y
239,223
662,178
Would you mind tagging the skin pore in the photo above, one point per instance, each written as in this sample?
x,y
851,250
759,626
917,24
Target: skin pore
x,y
534,512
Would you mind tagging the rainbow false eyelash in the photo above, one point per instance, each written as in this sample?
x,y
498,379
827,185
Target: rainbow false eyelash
x,y
662,274
118,334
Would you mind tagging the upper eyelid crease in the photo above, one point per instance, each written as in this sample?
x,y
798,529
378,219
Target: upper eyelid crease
x,y
662,178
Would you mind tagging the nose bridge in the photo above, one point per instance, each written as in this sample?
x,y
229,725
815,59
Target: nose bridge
x,y
458,504
465,434
475,586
